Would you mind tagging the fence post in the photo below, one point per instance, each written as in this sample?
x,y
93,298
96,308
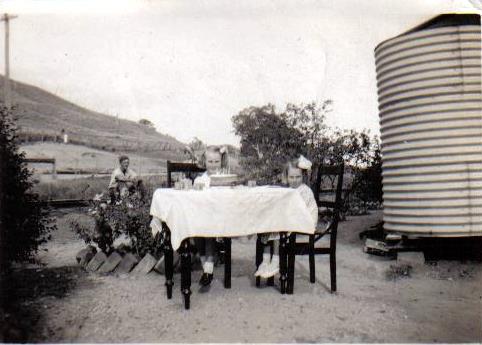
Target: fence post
x,y
54,170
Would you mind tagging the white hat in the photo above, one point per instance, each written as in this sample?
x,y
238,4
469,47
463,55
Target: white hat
x,y
304,163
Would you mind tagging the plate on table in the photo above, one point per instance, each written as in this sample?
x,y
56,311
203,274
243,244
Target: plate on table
x,y
223,180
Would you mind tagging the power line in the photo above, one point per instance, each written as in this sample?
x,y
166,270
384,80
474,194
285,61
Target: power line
x,y
6,84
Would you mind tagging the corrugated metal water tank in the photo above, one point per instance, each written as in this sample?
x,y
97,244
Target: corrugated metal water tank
x,y
430,102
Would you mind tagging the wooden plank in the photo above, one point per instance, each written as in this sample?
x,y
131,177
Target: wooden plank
x,y
40,160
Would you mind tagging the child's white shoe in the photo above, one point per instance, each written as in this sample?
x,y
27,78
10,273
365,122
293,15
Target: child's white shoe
x,y
264,264
272,269
261,269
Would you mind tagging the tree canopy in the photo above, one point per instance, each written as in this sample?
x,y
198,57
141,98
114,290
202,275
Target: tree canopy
x,y
147,123
269,138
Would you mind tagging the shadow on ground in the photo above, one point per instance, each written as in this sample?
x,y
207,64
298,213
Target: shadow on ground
x,y
21,298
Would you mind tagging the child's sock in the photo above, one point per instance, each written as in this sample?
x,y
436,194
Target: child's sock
x,y
208,267
275,260
264,264
272,269
266,258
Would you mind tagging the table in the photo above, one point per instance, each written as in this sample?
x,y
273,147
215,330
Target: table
x,y
225,212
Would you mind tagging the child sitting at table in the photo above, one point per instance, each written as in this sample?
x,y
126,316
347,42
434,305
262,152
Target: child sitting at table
x,y
293,176
213,159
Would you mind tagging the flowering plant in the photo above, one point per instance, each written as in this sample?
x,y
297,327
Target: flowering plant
x,y
128,215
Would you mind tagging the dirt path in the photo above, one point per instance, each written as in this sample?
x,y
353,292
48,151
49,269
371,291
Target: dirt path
x,y
439,303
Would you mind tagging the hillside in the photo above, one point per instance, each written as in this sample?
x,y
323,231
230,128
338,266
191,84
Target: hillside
x,y
42,115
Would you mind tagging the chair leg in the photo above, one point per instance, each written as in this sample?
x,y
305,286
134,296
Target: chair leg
x,y
227,263
312,258
333,268
186,273
259,257
168,263
270,281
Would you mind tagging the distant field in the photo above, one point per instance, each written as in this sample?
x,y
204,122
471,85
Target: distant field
x,y
77,157
87,188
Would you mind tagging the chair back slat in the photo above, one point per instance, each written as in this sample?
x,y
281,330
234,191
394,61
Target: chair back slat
x,y
328,204
181,167
336,171
330,170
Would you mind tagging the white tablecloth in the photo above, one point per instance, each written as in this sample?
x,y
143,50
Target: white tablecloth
x,y
229,212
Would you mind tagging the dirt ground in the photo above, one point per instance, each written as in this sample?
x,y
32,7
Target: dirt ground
x,y
441,302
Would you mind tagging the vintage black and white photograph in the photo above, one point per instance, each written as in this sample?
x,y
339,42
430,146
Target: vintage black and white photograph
x,y
256,171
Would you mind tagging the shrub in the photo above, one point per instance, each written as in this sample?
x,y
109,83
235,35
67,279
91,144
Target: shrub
x,y
24,224
129,216
83,225
368,180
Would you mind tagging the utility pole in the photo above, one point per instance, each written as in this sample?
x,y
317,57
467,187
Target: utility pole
x,y
6,84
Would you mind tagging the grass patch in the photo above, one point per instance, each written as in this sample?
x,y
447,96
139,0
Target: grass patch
x,y
87,188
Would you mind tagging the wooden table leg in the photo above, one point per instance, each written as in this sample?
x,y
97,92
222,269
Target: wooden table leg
x,y
227,262
186,273
283,262
168,261
259,257
291,263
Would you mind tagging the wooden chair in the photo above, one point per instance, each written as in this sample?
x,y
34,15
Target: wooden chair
x,y
190,169
308,248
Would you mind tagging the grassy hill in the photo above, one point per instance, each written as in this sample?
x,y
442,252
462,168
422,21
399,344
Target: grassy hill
x,y
42,115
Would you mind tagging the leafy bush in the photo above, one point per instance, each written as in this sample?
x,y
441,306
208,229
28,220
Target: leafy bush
x,y
24,224
83,225
368,180
129,216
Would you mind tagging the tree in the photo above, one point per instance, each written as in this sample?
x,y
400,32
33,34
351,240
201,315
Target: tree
x,y
368,179
309,120
147,123
194,149
267,140
25,225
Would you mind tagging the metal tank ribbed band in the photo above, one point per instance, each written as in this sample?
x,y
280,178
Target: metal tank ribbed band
x,y
430,106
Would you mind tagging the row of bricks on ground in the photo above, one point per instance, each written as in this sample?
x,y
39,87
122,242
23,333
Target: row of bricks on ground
x,y
94,261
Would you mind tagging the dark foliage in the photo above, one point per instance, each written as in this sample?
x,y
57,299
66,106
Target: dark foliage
x,y
24,224
368,180
269,138
109,219
22,319
266,140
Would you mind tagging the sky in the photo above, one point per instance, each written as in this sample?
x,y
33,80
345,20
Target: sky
x,y
189,66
